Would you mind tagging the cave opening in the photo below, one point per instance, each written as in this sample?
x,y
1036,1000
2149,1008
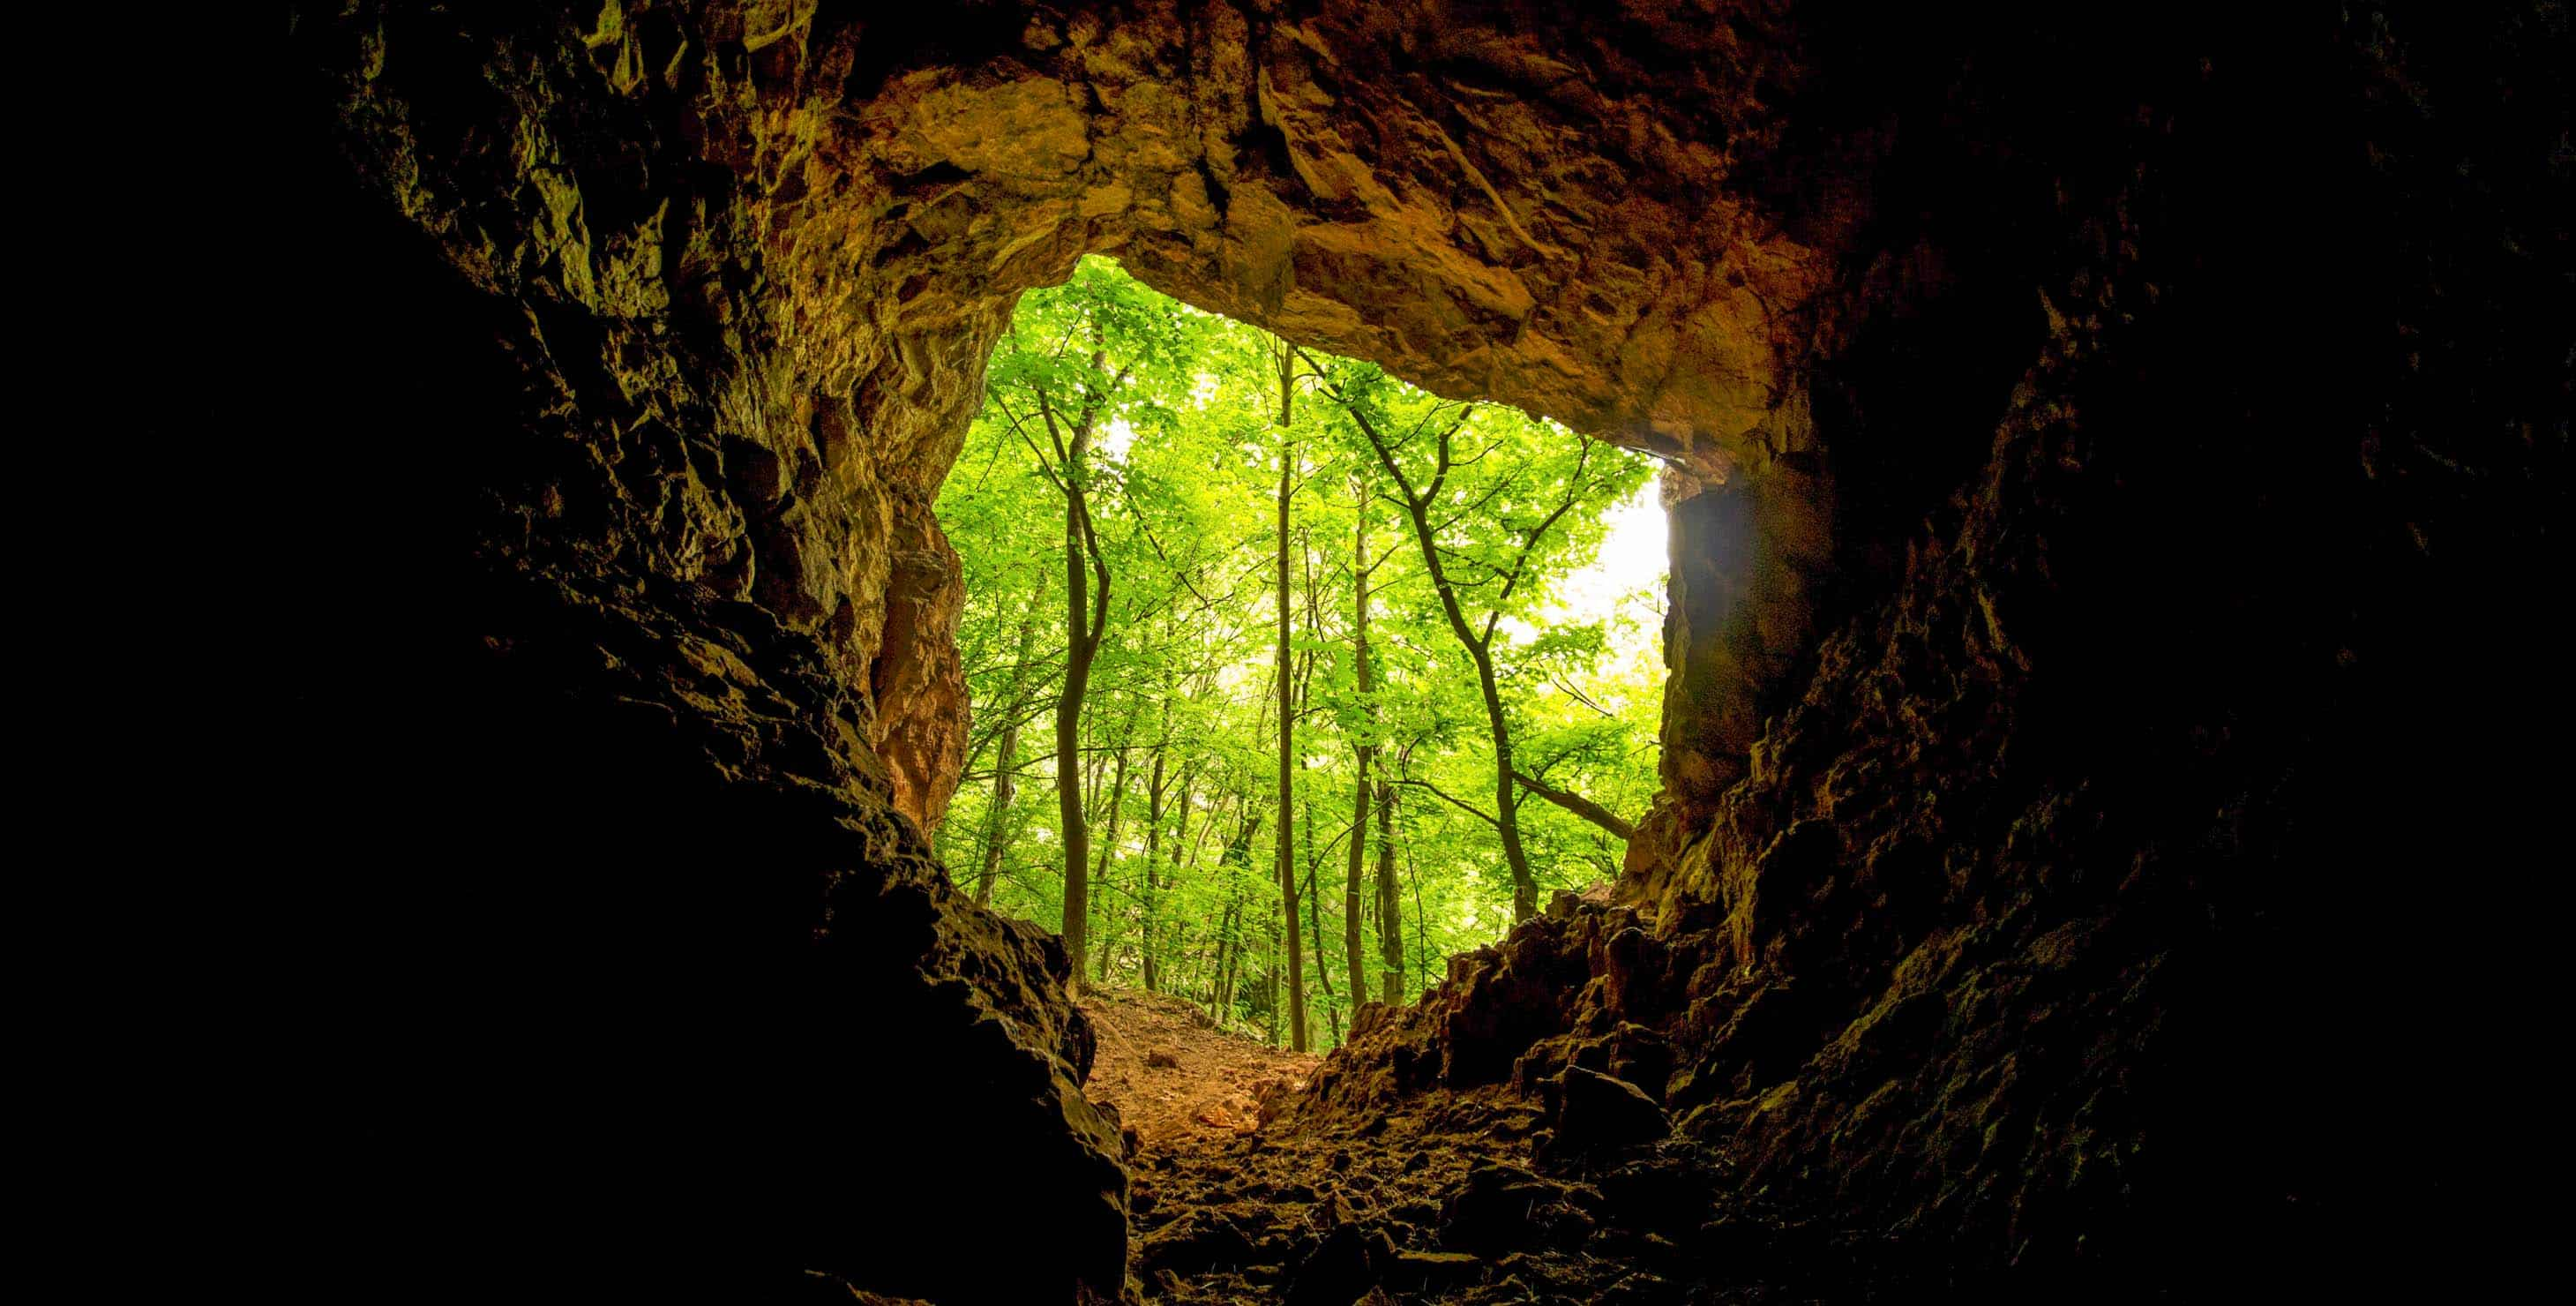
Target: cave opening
x,y
2056,642
1143,442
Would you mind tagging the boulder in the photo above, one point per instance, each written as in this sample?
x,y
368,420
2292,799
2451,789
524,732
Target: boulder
x,y
1599,1112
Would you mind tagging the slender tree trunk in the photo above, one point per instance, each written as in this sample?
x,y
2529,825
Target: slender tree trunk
x,y
1109,836
1216,969
1479,648
1153,851
1287,720
997,823
1352,952
1315,923
1270,977
1095,768
1229,964
1083,635
1237,859
1390,908
1421,931
1507,791
1154,933
1006,764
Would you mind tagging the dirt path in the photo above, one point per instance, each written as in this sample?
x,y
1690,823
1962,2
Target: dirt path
x,y
1230,1207
1176,1081
1238,1195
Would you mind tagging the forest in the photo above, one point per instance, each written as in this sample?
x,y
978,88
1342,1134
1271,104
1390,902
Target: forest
x,y
1288,679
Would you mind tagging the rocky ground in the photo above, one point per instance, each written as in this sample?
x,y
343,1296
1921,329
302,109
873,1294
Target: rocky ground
x,y
1248,1187
1176,1082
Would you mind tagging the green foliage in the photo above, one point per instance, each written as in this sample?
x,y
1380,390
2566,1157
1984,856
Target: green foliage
x,y
1181,482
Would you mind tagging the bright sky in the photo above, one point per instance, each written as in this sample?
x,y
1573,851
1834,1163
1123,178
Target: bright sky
x,y
1631,557
1626,579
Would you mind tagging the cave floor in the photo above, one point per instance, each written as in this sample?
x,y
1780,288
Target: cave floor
x,y
1439,1200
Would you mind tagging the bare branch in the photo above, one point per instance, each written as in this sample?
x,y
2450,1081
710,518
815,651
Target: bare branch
x,y
1470,809
1579,805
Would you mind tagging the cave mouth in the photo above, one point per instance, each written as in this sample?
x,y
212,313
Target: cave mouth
x,y
1199,474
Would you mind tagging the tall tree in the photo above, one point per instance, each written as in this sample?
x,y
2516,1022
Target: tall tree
x,y
1497,572
1117,803
1100,351
1006,753
1154,845
1363,749
1083,631
1390,907
1192,432
1287,709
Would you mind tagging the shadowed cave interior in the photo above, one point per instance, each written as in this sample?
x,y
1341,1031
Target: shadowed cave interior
x,y
2114,465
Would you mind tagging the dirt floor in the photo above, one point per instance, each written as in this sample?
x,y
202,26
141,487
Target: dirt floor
x,y
1245,1187
1177,1082
1440,1203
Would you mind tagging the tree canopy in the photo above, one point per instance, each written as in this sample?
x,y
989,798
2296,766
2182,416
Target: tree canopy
x,y
1148,490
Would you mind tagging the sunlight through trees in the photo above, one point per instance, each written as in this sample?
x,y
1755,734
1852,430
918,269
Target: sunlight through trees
x,y
1257,590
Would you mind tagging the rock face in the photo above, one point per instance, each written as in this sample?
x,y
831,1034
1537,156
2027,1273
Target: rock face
x,y
2094,452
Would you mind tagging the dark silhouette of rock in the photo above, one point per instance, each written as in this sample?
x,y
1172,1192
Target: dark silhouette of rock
x,y
1336,1273
1600,1112
2113,465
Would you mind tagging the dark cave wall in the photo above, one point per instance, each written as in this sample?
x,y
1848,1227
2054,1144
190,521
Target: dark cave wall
x,y
2173,637
2117,473
705,291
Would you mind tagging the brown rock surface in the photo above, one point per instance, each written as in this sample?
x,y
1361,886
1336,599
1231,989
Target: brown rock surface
x,y
2111,460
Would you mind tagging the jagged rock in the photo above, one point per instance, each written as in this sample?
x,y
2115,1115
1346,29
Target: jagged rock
x,y
1600,1112
1641,1056
1665,1195
1196,1243
1414,1271
1336,1272
1499,1208
2094,441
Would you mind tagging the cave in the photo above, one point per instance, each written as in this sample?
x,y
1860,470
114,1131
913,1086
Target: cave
x,y
2115,464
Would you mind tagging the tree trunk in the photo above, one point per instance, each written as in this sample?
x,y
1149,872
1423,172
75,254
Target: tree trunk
x,y
1390,907
1238,855
1315,922
1006,764
1353,955
1480,648
1153,852
1220,996
1270,976
1109,836
1181,853
1083,631
1287,722
1507,791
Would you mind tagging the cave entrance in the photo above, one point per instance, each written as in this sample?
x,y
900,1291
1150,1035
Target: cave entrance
x,y
1229,504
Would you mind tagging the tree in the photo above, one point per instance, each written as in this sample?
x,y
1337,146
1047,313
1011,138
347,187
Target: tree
x,y
1237,656
1496,566
1364,745
1287,708
1006,764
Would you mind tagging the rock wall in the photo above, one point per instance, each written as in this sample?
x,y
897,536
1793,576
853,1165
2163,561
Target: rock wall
x,y
2039,948
2092,447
